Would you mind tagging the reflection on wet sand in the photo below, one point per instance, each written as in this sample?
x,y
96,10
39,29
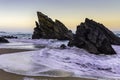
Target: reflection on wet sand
x,y
10,50
10,76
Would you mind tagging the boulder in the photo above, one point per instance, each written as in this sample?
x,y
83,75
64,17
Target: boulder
x,y
48,29
3,40
95,38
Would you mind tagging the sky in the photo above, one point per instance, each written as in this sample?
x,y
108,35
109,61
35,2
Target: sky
x,y
20,15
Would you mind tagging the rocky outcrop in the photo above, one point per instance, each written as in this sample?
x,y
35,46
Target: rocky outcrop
x,y
95,38
48,29
9,37
2,40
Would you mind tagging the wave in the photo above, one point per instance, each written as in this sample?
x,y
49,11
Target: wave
x,y
56,62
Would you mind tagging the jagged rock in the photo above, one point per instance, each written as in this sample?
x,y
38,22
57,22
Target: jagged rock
x,y
48,29
95,38
2,40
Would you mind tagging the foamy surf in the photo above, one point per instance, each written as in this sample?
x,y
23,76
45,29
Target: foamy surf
x,y
55,62
24,64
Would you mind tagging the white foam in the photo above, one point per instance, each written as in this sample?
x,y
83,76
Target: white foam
x,y
16,62
71,61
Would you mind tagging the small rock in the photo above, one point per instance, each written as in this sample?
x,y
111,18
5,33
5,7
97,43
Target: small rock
x,y
63,46
3,40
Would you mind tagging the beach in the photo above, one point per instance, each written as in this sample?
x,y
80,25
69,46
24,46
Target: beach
x,y
10,76
60,40
25,59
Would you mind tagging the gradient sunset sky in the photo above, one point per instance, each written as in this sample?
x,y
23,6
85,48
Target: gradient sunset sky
x,y
20,15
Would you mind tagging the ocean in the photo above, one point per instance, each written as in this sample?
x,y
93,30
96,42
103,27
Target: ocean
x,y
48,59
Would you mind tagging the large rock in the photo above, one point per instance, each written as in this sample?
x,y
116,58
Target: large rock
x,y
48,29
95,38
2,40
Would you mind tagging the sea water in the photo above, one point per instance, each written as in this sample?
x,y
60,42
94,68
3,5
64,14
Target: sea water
x,y
55,62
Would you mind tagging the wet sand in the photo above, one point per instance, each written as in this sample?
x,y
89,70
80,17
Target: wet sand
x,y
10,50
10,76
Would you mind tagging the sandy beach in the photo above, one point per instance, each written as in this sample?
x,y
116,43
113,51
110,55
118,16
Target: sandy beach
x,y
10,50
10,76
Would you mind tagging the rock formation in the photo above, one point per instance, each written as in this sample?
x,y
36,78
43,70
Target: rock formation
x,y
95,38
9,37
2,40
48,29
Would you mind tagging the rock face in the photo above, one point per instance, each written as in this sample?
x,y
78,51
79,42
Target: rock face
x,y
95,38
48,29
2,40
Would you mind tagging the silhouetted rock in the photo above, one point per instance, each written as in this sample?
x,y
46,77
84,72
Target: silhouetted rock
x,y
48,29
2,40
95,38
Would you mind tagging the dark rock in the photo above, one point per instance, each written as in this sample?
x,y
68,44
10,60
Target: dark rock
x,y
106,69
63,46
2,40
95,38
48,29
9,37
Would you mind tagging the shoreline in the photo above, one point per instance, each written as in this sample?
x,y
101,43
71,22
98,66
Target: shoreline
x,y
11,76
